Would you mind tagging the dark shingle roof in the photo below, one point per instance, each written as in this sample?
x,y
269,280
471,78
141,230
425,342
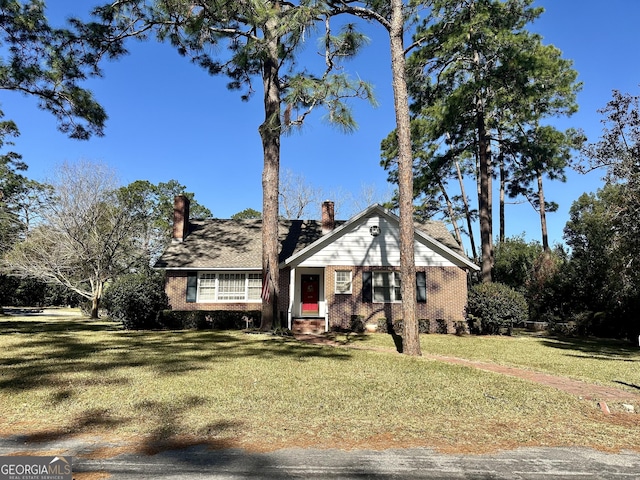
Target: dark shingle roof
x,y
227,243
439,232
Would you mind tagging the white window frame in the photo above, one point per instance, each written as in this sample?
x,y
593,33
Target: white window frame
x,y
207,282
393,286
344,286
211,282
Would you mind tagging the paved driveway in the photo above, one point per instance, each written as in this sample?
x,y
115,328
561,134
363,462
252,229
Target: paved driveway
x,y
201,463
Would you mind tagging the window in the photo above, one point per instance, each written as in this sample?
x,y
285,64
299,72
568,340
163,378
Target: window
x,y
343,281
229,287
207,287
255,286
386,287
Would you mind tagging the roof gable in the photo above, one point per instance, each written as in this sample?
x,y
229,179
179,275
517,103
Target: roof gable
x,y
434,236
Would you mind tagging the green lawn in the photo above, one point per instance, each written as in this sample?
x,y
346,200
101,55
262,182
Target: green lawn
x,y
606,362
61,377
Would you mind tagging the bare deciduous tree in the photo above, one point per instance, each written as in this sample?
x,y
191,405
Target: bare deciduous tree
x,y
86,234
297,196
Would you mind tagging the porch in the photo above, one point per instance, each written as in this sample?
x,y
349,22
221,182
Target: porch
x,y
307,311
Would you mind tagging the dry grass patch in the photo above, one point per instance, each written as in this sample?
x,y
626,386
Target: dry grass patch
x,y
67,377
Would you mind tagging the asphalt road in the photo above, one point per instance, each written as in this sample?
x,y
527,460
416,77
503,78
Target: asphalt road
x,y
201,463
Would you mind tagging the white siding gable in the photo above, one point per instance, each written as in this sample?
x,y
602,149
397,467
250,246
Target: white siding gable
x,y
356,246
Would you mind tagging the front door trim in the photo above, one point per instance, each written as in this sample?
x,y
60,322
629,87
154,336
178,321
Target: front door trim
x,y
310,295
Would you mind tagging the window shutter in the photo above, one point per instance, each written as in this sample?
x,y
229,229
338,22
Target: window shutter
x,y
421,287
367,287
192,287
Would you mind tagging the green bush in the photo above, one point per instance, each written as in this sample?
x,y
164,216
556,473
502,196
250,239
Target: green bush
x,y
357,324
212,319
384,325
387,326
496,306
424,325
29,292
136,300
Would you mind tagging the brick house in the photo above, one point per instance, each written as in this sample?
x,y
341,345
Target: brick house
x,y
330,270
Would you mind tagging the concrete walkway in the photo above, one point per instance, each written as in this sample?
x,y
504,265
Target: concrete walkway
x,y
584,390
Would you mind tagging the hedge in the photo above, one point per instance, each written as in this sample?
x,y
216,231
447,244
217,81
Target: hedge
x,y
208,319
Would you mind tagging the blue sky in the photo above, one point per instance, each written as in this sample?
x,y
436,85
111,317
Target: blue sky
x,y
168,119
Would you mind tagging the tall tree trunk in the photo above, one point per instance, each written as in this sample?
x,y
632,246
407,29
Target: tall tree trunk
x,y
543,215
452,215
484,200
270,132
411,338
484,170
467,211
503,181
484,193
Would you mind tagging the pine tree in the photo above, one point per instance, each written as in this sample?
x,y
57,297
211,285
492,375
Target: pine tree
x,y
255,40
478,71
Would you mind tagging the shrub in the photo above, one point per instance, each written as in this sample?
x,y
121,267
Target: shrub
x,y
189,320
214,319
357,324
136,300
461,327
424,325
396,327
496,306
384,325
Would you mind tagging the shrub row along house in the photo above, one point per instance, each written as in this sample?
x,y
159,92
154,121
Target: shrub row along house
x,y
330,271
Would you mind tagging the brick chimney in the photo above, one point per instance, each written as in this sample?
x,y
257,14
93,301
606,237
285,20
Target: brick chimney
x,y
328,218
180,218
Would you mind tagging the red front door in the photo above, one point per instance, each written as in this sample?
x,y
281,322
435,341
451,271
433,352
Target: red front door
x,y
310,294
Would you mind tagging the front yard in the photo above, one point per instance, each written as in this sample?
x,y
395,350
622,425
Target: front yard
x,y
61,377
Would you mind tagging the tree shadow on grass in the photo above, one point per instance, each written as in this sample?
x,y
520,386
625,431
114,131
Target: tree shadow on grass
x,y
45,351
166,435
168,432
599,348
33,324
87,422
397,339
637,387
61,359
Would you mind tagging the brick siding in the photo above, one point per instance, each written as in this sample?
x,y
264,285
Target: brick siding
x,y
176,289
446,298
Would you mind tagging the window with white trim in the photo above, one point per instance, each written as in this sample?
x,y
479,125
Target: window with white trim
x,y
343,281
254,287
207,287
229,287
386,287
